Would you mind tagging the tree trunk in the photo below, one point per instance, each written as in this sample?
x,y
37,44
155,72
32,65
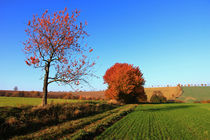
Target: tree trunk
x,y
45,85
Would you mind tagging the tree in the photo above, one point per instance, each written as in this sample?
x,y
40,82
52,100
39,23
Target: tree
x,y
54,41
125,83
15,88
158,97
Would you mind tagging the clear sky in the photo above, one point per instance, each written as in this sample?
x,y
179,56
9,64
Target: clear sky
x,y
168,39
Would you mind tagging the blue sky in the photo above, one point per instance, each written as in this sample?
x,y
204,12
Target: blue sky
x,y
168,39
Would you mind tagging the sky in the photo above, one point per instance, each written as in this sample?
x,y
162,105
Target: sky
x,y
168,39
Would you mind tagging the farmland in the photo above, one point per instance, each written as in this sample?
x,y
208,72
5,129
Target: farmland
x,y
80,119
58,94
18,101
191,94
105,70
67,120
168,121
169,92
186,94
95,119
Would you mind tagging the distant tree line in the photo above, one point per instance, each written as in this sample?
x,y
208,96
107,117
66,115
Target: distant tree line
x,y
181,85
56,95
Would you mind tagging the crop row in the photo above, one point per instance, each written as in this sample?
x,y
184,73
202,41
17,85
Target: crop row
x,y
24,120
94,129
75,127
162,122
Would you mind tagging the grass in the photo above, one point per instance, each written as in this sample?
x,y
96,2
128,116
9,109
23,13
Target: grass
x,y
18,101
94,129
191,94
28,119
80,128
102,121
164,121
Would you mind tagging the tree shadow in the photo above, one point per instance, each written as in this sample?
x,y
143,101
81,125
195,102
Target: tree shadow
x,y
167,108
25,126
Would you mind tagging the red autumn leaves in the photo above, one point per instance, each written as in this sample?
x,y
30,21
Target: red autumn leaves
x,y
32,60
54,40
55,33
90,50
125,83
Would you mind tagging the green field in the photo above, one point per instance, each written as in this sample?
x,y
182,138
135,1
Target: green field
x,y
83,128
74,120
148,121
18,101
191,94
166,121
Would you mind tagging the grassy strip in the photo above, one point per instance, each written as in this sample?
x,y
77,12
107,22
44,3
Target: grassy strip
x,y
191,94
23,101
67,127
94,129
28,120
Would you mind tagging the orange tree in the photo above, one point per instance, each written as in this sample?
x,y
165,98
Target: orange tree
x,y
125,83
54,41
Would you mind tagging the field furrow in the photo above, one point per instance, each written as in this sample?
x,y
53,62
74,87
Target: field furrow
x,y
67,127
93,129
168,121
108,122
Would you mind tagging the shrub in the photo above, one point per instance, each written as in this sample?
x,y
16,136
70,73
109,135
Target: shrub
x,y
8,94
179,101
203,101
196,102
125,83
158,97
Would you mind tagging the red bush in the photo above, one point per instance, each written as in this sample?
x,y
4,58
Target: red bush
x,y
125,83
